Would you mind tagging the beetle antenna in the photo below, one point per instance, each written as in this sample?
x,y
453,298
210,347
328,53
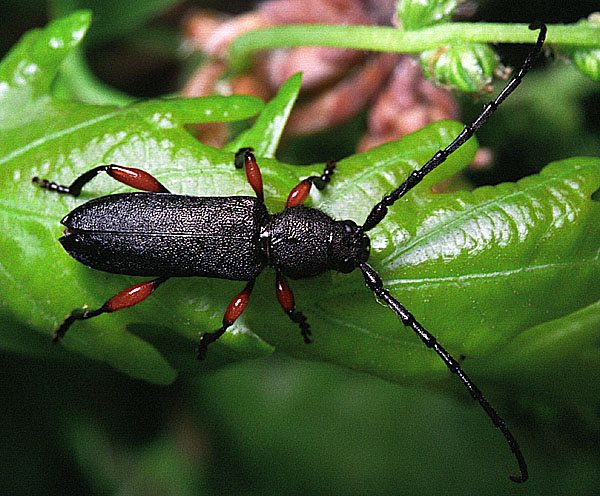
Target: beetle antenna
x,y
380,210
376,285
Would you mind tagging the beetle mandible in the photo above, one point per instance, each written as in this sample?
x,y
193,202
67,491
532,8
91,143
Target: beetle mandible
x,y
156,233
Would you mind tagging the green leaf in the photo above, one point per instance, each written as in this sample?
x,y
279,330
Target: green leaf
x,y
62,139
479,269
33,63
544,355
76,81
265,134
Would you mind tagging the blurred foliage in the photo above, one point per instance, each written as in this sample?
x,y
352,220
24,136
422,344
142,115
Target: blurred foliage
x,y
283,426
415,14
587,60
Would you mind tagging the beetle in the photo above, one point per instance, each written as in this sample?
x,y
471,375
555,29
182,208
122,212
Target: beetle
x,y
160,234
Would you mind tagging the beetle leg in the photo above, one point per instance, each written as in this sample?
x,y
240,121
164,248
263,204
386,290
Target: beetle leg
x,y
246,159
286,300
126,298
234,310
131,176
300,192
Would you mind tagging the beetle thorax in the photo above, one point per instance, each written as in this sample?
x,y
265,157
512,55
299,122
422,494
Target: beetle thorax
x,y
303,242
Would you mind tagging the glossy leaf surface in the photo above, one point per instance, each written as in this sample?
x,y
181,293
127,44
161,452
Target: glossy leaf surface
x,y
44,135
480,269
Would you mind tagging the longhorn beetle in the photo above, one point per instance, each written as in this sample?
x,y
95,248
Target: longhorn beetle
x,y
156,233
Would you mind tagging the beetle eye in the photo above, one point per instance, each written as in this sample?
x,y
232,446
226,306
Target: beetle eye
x,y
347,266
350,226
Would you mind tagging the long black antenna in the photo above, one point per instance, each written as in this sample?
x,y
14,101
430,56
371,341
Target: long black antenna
x,y
380,210
376,285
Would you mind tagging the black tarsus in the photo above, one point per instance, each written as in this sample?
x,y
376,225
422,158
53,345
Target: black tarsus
x,y
238,160
380,210
207,338
299,318
77,314
210,337
321,181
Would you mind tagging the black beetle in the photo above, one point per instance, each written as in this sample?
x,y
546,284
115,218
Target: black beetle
x,y
156,233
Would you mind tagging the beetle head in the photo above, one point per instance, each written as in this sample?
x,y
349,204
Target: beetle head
x,y
350,246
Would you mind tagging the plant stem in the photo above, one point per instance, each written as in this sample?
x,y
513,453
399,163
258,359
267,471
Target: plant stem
x,y
388,39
